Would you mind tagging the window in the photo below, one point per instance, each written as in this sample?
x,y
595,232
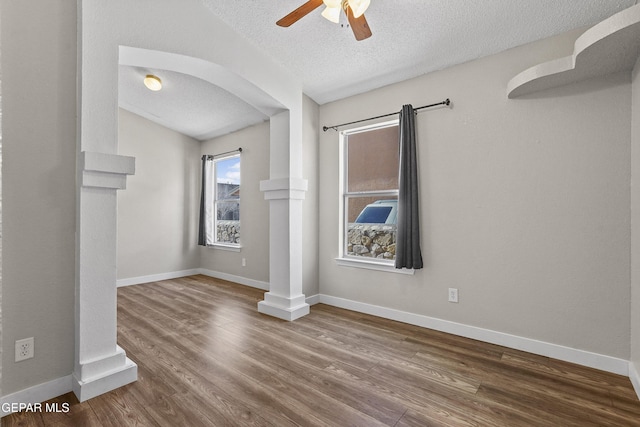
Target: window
x,y
370,192
226,200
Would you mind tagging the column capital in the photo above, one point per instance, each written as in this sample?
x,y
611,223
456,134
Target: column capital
x,y
103,170
284,188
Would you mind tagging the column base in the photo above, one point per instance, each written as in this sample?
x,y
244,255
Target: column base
x,y
103,380
283,308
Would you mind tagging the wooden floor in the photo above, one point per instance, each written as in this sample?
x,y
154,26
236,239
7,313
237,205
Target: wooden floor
x,y
207,358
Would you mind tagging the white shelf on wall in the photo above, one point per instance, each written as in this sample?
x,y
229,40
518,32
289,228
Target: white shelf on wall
x,y
612,45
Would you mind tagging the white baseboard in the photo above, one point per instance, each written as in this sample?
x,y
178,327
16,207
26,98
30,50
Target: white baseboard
x,y
36,394
568,354
634,376
237,279
581,357
313,299
156,277
63,385
184,273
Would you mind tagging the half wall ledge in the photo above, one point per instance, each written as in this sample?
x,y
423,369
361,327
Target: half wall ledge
x,y
611,46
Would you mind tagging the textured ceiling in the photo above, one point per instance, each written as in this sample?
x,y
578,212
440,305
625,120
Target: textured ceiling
x,y
185,104
410,38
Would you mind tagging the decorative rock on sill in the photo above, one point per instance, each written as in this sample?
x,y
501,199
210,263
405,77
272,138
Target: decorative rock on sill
x,y
372,240
228,232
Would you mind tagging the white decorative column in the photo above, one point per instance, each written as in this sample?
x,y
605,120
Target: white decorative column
x,y
285,192
100,364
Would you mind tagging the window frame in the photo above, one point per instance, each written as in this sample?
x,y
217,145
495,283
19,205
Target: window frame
x,y
215,201
344,195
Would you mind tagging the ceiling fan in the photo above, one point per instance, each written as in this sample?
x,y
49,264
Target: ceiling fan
x,y
354,9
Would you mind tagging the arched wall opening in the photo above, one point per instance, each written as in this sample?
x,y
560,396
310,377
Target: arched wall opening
x,y
185,36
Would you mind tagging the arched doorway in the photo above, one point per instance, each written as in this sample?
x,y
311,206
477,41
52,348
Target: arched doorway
x,y
211,50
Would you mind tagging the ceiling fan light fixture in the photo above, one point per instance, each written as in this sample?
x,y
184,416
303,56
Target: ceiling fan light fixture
x,y
354,11
153,82
332,3
359,7
332,14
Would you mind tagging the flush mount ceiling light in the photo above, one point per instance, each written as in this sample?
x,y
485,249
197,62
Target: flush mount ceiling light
x,y
354,9
153,82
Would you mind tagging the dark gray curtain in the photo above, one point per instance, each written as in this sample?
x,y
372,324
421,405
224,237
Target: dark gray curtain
x,y
408,253
202,231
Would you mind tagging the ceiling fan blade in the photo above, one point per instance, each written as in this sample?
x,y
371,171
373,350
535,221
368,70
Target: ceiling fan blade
x,y
359,25
299,13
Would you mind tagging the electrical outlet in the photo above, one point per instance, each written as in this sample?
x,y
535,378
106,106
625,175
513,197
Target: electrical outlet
x,y
453,295
24,349
244,262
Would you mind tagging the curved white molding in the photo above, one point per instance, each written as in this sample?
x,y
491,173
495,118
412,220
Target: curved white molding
x,y
205,70
612,45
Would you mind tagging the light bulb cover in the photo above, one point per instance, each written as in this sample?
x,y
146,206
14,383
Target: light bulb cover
x,y
332,14
153,82
332,3
359,7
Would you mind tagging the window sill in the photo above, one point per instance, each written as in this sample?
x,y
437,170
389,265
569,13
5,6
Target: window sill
x,y
373,265
223,247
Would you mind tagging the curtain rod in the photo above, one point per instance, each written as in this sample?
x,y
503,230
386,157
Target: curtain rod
x,y
212,156
335,127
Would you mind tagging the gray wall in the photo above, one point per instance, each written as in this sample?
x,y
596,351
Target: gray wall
x,y
525,203
165,189
254,210
635,220
38,188
158,212
310,206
